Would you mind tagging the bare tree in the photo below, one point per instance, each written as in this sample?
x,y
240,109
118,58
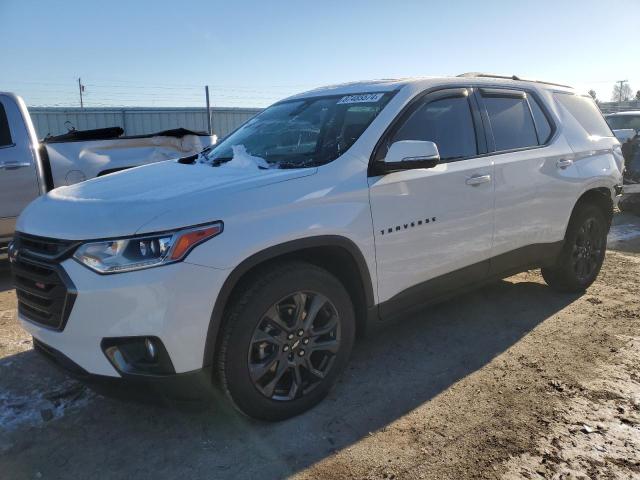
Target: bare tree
x,y
638,95
621,92
593,94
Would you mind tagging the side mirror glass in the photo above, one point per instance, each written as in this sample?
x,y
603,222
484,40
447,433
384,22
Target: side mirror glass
x,y
409,154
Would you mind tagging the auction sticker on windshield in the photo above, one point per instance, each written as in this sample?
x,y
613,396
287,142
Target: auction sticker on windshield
x,y
362,98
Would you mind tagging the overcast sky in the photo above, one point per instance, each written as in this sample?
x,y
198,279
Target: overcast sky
x,y
253,53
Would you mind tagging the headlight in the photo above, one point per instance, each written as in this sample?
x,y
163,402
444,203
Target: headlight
x,y
136,253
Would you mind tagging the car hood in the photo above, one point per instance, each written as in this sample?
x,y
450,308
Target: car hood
x,y
122,203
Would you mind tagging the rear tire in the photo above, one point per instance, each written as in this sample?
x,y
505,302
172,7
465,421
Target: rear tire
x,y
287,337
583,251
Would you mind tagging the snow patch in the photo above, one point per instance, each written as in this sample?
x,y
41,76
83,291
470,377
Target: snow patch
x,y
243,159
37,407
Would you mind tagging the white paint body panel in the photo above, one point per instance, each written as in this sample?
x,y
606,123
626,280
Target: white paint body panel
x,y
459,229
528,200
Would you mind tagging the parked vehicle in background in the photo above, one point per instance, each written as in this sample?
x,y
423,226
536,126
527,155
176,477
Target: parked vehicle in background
x,y
626,127
332,212
624,120
29,168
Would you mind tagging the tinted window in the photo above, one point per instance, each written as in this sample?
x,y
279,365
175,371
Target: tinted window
x,y
586,112
542,122
446,122
511,122
5,133
619,122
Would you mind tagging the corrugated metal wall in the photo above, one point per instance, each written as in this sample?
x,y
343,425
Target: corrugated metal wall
x,y
610,107
137,121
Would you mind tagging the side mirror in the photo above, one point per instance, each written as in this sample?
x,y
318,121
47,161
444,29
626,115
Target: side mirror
x,y
409,154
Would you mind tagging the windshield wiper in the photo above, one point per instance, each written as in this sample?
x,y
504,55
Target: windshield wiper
x,y
305,164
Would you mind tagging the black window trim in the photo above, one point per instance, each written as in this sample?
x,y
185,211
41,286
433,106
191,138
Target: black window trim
x,y
447,91
482,127
509,92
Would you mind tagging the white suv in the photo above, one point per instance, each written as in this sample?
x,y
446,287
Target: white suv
x,y
258,262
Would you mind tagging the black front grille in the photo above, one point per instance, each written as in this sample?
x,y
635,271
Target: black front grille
x,y
45,292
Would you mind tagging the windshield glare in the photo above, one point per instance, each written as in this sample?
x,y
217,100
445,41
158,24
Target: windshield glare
x,y
303,133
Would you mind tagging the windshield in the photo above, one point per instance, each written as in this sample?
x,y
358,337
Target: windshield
x,y
302,133
619,122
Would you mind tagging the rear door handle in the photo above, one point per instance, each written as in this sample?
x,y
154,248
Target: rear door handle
x,y
14,165
564,163
478,179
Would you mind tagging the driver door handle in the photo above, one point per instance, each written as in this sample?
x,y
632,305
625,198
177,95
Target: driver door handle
x,y
12,165
478,179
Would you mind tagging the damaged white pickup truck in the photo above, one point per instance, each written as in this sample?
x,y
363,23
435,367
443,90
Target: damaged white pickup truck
x,y
29,168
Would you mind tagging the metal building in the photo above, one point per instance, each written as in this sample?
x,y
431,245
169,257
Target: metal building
x,y
137,121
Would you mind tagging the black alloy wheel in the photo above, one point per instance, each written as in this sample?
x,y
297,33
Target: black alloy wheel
x,y
294,345
287,335
579,262
588,249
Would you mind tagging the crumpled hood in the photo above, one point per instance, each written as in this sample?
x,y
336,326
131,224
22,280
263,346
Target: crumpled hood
x,y
122,203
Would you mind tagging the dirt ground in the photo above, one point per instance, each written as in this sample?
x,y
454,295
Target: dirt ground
x,y
512,381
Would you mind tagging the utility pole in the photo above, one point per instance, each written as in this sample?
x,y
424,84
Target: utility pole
x,y
621,82
80,89
206,91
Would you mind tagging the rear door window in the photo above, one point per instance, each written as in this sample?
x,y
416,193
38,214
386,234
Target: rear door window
x,y
511,121
5,133
586,112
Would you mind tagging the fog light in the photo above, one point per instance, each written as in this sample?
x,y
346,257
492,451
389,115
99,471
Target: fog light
x,y
138,355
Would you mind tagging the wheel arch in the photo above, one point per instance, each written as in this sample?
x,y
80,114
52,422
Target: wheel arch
x,y
336,254
599,196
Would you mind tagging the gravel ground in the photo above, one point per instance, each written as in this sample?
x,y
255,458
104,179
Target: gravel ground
x,y
511,381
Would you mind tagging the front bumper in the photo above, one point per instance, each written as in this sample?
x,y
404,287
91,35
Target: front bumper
x,y
172,302
190,386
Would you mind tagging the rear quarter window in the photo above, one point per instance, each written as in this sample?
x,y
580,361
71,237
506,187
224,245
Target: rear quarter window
x,y
543,126
586,112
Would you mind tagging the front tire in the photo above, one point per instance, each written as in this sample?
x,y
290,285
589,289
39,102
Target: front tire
x,y
583,251
287,336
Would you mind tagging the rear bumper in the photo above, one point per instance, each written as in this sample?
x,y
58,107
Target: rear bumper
x,y
196,385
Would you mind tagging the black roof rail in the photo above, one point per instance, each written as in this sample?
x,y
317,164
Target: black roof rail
x,y
506,77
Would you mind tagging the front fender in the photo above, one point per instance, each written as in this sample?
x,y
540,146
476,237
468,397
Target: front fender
x,y
271,253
